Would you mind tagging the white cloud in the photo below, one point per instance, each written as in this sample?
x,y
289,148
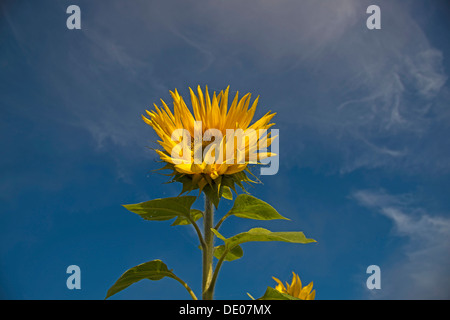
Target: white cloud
x,y
422,269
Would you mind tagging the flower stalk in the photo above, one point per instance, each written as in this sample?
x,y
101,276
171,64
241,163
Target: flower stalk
x,y
208,250
185,285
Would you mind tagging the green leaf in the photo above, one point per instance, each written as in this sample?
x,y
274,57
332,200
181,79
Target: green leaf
x,y
231,250
249,207
182,221
238,177
274,294
163,209
226,193
228,181
187,183
152,270
218,234
233,254
258,180
212,192
261,234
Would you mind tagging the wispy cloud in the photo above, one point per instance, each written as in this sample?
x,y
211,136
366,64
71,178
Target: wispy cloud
x,y
368,98
422,269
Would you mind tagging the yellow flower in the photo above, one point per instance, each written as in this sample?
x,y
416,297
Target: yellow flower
x,y
295,288
212,141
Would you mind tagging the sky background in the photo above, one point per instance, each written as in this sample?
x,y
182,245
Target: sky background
x,y
364,152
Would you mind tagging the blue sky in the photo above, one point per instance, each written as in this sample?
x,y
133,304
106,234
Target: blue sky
x,y
364,150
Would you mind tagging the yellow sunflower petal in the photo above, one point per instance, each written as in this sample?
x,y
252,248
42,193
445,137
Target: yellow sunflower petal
x,y
305,291
295,286
280,287
311,296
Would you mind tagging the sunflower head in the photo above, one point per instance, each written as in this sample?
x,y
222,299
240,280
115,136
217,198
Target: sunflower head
x,y
210,147
295,289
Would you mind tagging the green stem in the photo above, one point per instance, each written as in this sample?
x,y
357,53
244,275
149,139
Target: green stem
x,y
221,221
199,233
208,250
210,289
186,286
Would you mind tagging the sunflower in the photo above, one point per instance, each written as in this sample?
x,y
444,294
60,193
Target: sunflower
x,y
213,145
295,288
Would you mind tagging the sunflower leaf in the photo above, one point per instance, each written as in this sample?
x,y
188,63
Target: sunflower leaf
x,y
182,221
233,254
163,209
226,192
152,270
231,249
212,193
258,180
261,234
218,235
229,182
249,207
